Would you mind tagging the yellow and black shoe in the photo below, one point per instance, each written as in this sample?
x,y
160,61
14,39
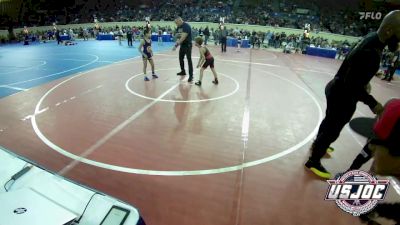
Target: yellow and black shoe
x,y
318,169
330,149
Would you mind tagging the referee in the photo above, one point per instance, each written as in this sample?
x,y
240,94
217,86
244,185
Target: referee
x,y
184,31
349,86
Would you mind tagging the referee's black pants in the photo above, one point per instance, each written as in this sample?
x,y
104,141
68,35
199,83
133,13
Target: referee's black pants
x,y
186,50
340,108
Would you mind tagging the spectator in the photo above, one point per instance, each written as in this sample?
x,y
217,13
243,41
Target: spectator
x,y
206,35
223,34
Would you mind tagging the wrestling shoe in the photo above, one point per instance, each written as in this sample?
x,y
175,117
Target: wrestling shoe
x,y
318,169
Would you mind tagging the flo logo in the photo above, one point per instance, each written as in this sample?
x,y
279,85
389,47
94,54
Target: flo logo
x,y
20,211
357,192
370,15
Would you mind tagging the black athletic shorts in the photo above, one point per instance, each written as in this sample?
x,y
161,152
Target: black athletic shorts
x,y
209,62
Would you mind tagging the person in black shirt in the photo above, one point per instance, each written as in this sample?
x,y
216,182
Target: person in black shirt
x,y
206,33
223,35
349,86
26,36
129,36
185,41
58,36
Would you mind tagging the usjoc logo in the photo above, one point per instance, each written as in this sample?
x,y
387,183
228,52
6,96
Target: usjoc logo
x,y
356,192
370,15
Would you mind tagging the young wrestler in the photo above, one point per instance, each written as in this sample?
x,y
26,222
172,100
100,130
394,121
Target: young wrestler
x,y
147,54
206,59
387,131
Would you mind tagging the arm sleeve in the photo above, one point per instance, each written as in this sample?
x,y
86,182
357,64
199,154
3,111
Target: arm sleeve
x,y
186,28
362,68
